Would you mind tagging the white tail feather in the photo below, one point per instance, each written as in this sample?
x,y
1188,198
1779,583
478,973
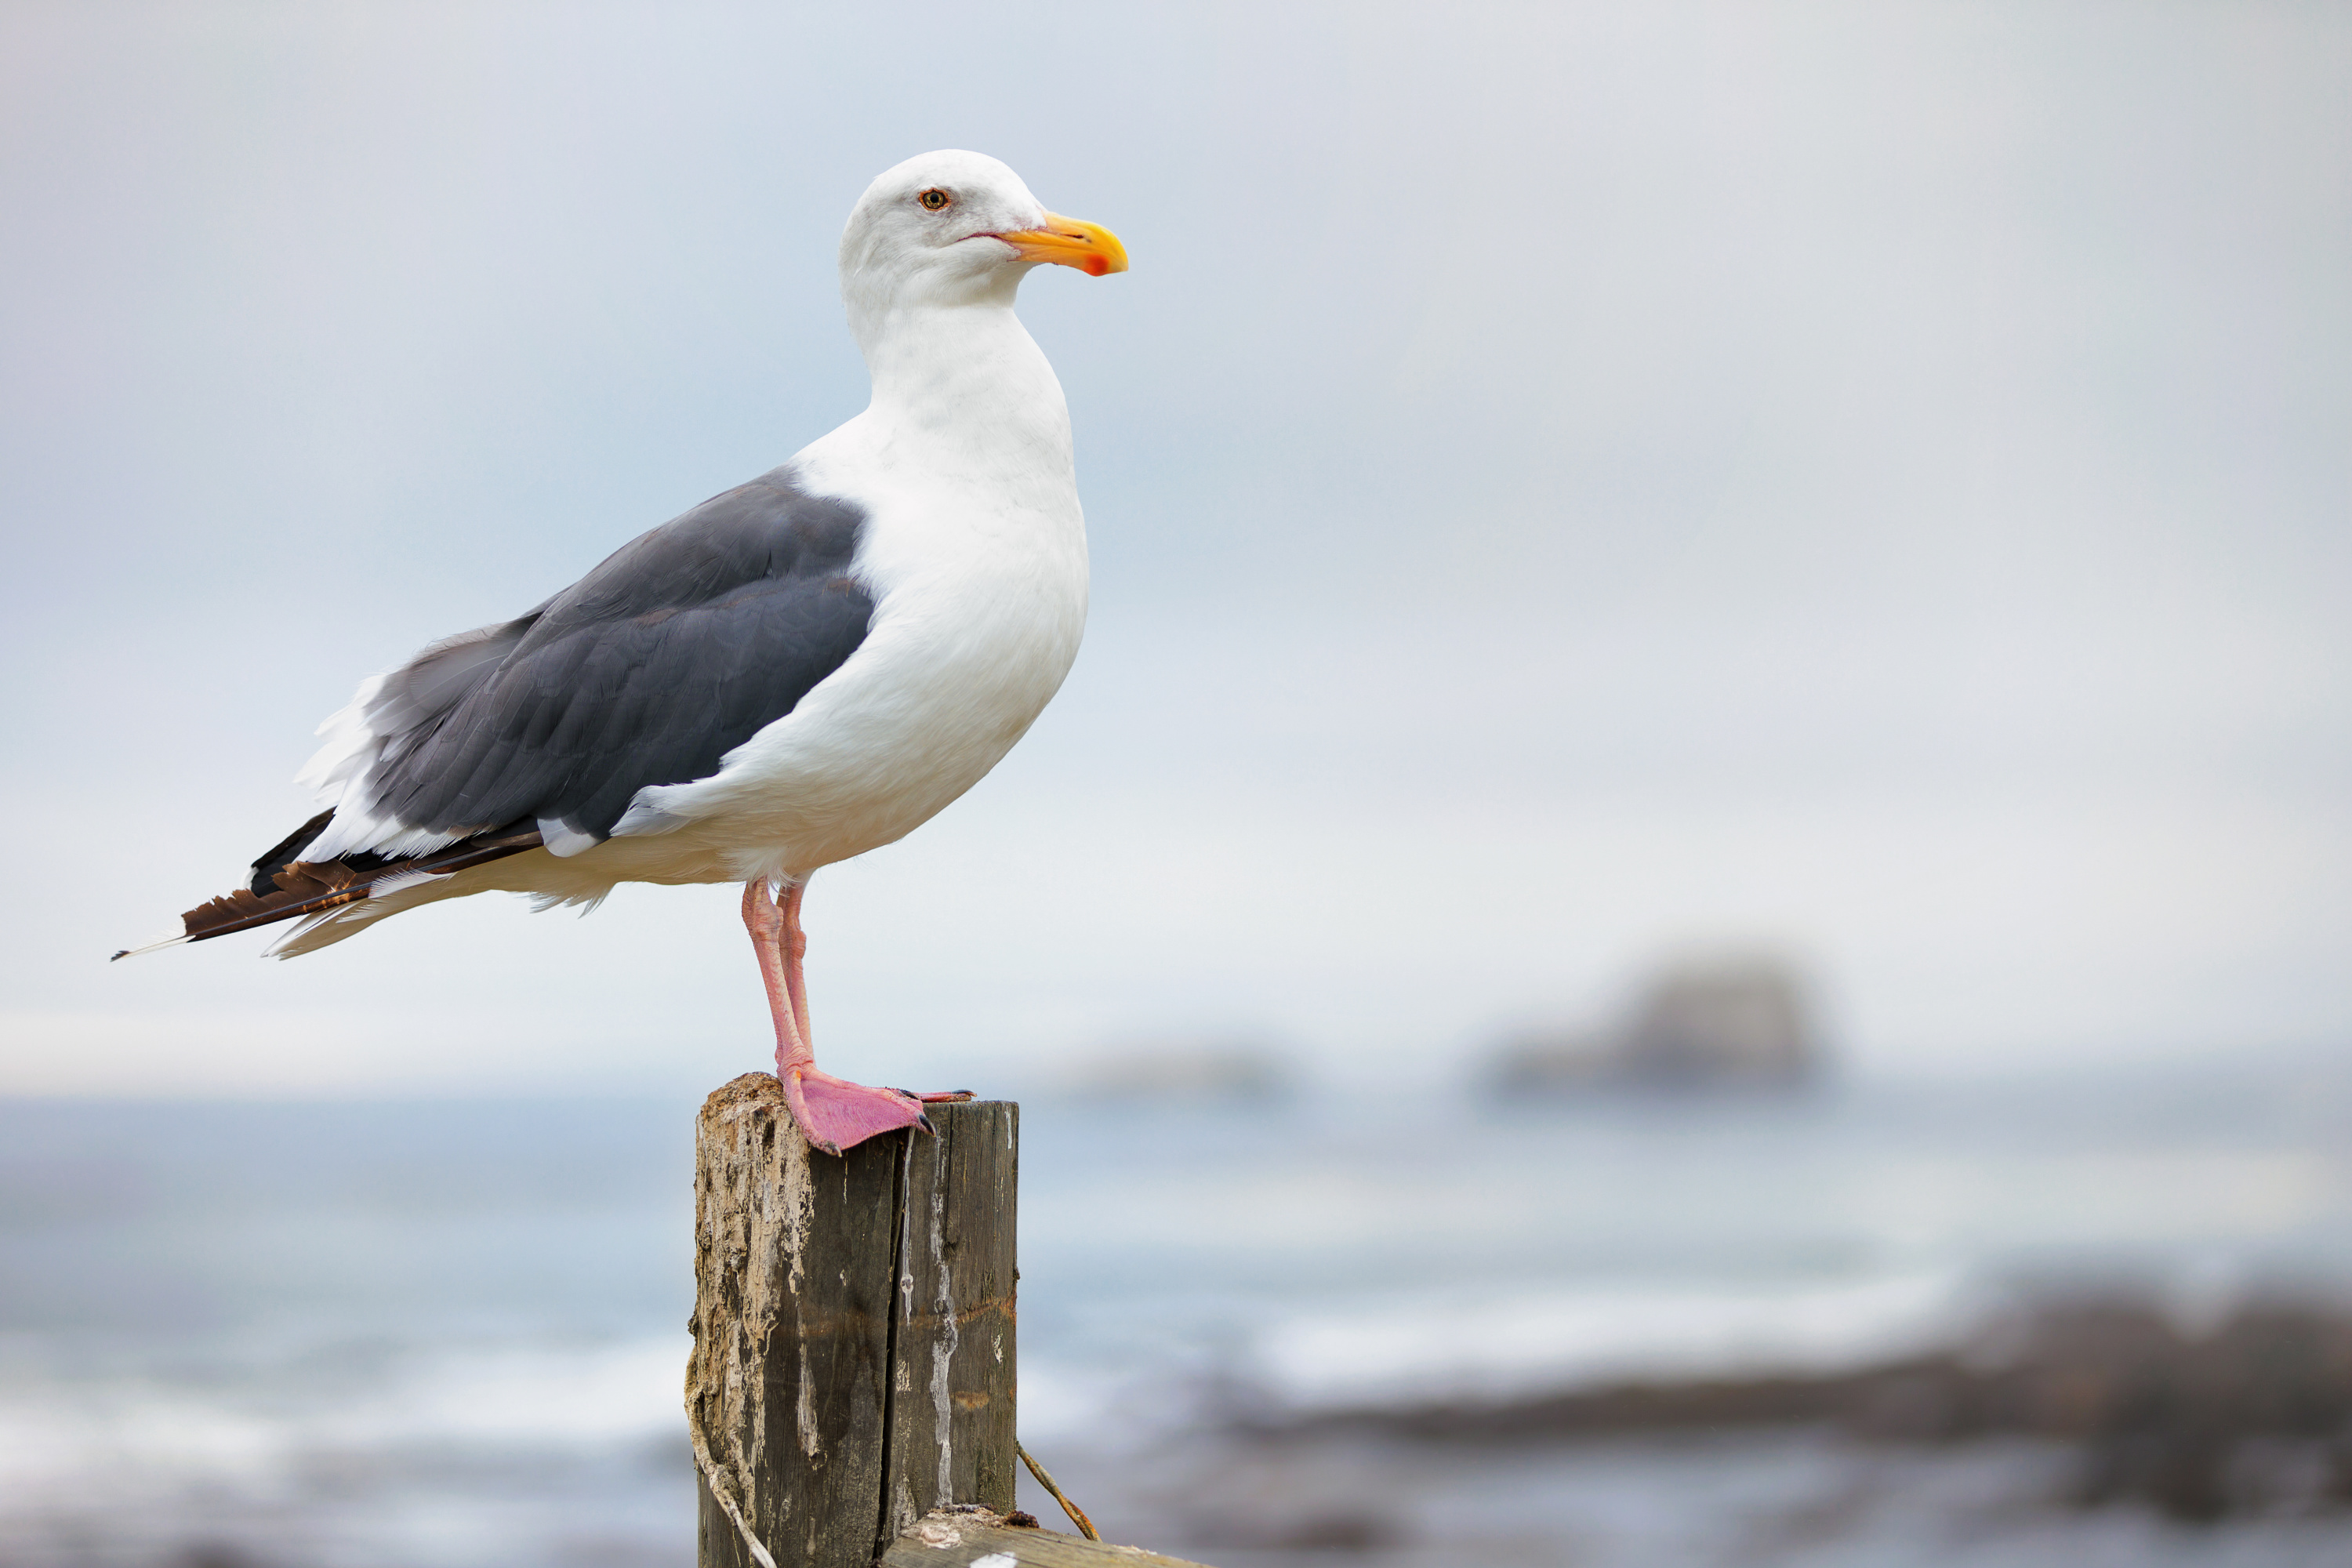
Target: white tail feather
x,y
173,941
401,881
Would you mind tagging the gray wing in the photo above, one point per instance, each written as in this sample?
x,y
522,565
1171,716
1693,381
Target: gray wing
x,y
680,647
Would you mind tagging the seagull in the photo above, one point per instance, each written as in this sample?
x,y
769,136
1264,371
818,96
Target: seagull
x,y
804,667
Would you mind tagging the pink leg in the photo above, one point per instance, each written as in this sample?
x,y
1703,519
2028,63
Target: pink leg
x,y
834,1113
795,949
794,945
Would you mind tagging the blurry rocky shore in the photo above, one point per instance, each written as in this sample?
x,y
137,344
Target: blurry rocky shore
x,y
2250,1414
2093,1431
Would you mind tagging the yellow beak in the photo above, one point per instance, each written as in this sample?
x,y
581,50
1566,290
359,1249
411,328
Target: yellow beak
x,y
1070,242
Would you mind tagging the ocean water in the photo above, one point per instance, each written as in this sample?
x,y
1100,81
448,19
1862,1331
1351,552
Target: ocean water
x,y
438,1335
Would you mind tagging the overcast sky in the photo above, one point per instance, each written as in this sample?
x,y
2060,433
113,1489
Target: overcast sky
x,y
1567,485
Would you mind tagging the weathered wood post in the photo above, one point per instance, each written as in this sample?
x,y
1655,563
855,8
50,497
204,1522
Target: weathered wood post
x,y
853,1349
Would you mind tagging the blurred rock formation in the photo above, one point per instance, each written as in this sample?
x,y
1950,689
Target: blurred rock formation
x,y
1744,1022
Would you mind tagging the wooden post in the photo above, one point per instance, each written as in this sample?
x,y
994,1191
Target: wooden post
x,y
853,1362
972,1539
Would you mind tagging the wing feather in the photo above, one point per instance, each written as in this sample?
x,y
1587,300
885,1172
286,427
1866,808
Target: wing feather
x,y
678,648
684,644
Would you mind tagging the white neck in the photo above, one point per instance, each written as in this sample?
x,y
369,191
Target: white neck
x,y
966,384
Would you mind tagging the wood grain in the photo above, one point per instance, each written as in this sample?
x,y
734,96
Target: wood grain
x,y
951,1438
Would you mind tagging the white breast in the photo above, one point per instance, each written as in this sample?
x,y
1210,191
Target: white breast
x,y
975,549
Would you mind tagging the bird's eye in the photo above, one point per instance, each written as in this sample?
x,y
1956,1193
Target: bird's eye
x,y
935,200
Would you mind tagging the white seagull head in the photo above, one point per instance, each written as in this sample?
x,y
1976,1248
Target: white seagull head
x,y
958,228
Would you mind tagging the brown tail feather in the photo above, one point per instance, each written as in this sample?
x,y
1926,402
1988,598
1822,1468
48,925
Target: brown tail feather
x,y
284,890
